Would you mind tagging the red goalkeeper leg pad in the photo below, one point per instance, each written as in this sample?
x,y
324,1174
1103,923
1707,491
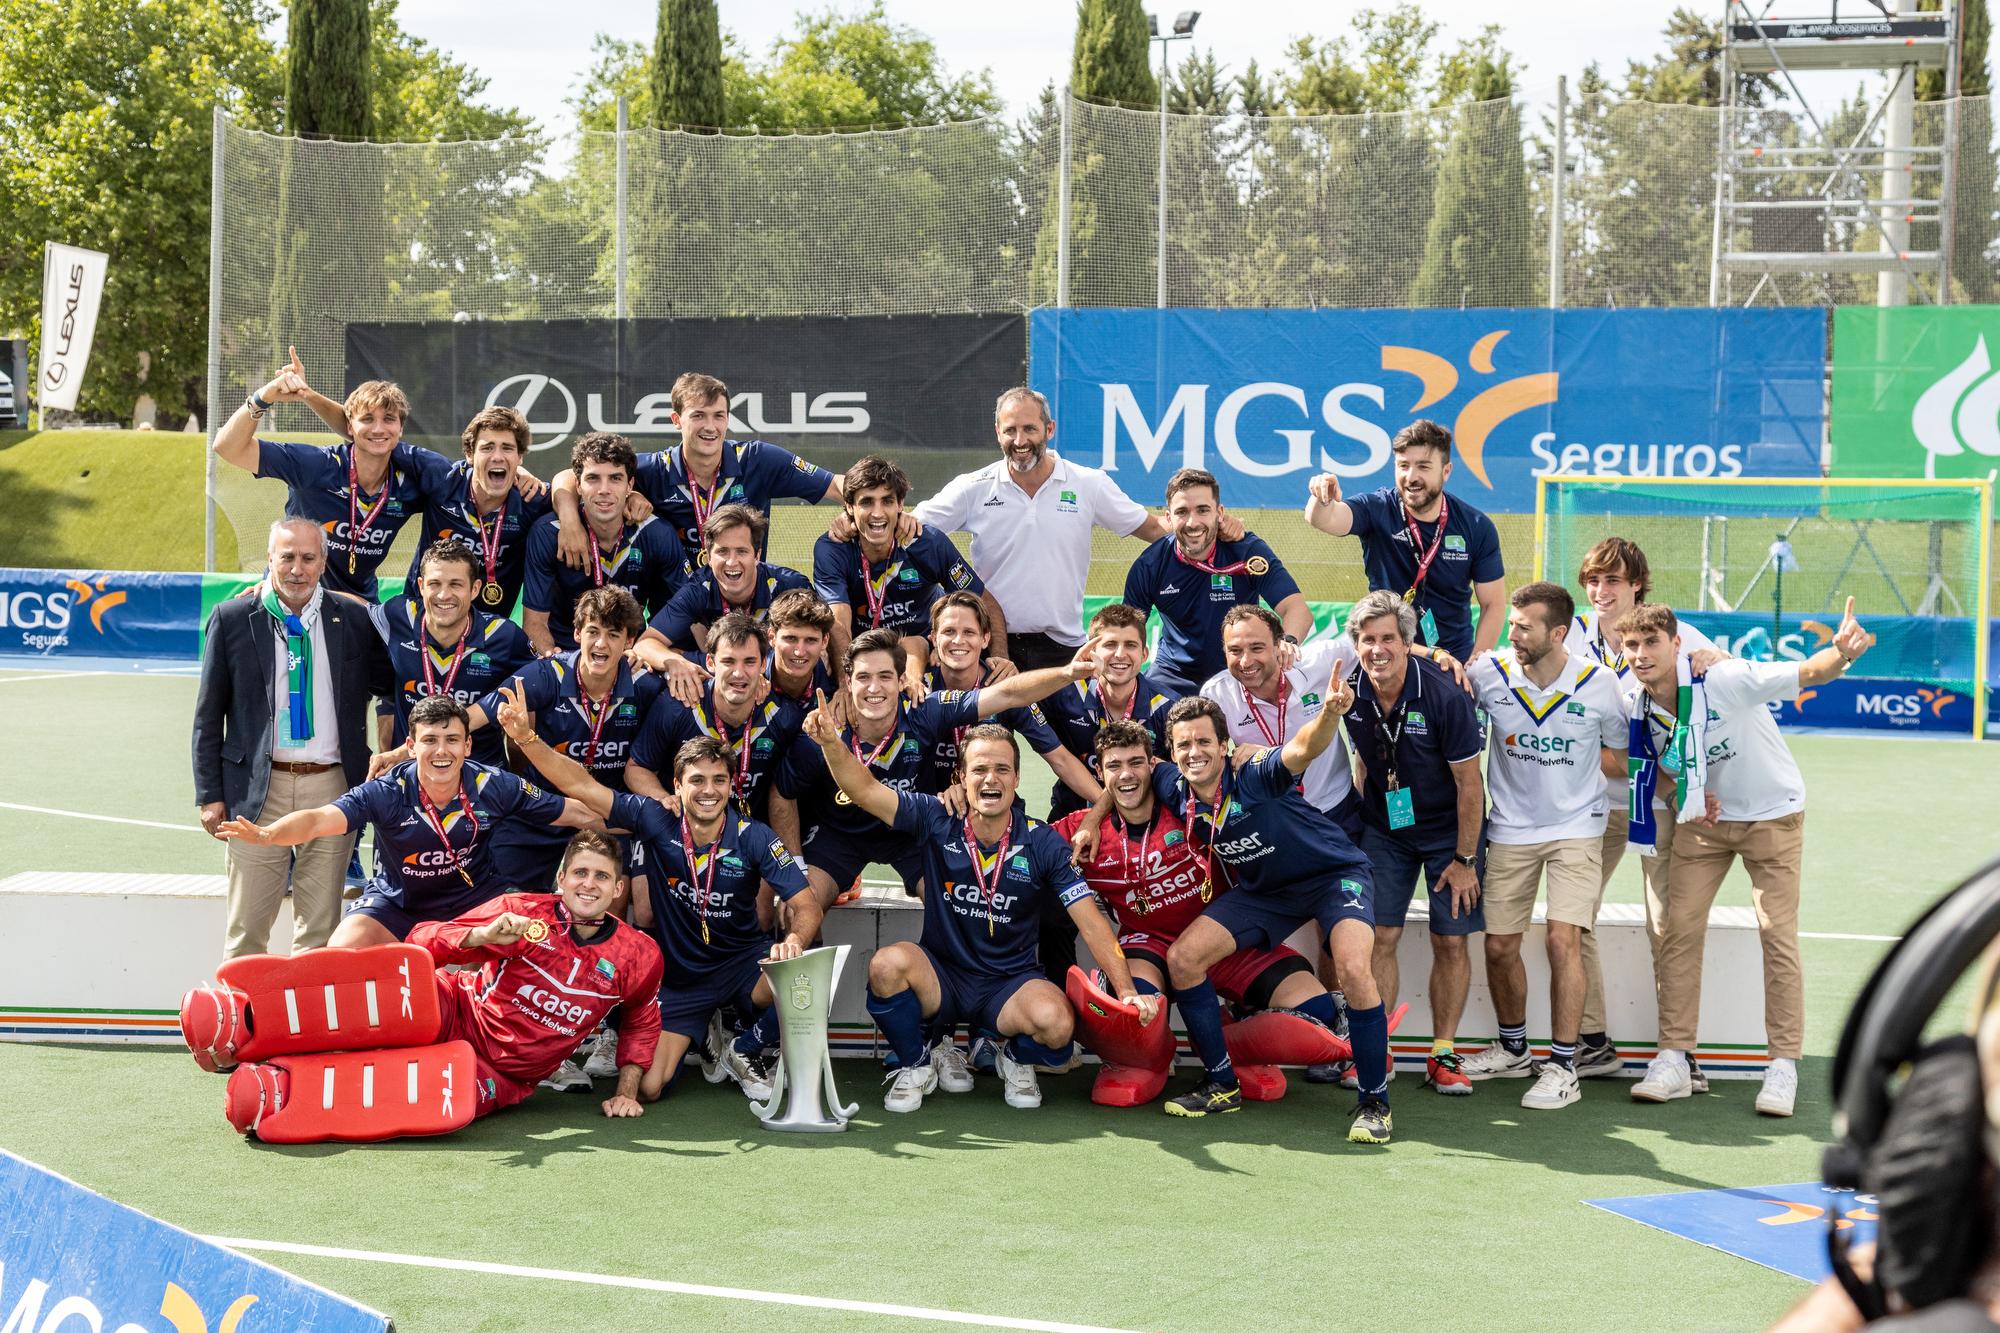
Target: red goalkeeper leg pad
x,y
1276,1037
325,1000
1109,1028
1261,1083
1121,1085
355,1096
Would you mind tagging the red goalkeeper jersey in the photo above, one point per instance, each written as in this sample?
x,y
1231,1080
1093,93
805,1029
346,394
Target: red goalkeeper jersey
x,y
532,1003
1152,880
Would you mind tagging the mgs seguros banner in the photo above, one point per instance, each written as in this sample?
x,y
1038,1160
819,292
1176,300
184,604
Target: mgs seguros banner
x,y
1916,391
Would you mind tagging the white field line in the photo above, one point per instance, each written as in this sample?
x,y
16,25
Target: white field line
x,y
54,675
102,819
657,1284
1835,935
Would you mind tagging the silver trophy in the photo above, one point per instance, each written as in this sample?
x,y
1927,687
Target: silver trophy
x,y
802,989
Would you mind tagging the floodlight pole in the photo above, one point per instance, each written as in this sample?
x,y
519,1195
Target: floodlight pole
x,y
618,290
217,123
1183,31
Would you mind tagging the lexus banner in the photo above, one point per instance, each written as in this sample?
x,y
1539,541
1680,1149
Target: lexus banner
x,y
829,388
72,284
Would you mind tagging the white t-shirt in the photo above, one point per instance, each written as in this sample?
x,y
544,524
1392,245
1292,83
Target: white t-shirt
x,y
1543,774
1750,768
1328,781
1033,552
1583,641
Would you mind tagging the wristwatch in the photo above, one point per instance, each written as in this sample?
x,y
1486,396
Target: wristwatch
x,y
1469,862
1292,639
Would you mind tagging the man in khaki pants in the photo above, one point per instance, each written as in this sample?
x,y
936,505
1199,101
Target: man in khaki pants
x,y
281,725
1554,728
1719,732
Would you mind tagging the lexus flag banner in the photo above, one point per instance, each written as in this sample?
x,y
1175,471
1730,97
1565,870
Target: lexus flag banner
x,y
72,285
821,386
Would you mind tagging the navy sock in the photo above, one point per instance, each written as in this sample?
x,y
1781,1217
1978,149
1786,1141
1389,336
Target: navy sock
x,y
1514,1037
1320,1007
1368,1030
761,1035
1144,987
1204,1028
1025,1050
901,1018
1593,1040
1562,1053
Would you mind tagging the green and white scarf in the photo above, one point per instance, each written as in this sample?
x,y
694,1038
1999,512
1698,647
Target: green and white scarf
x,y
298,659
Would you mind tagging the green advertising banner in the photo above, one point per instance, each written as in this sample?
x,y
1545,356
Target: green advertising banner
x,y
1916,391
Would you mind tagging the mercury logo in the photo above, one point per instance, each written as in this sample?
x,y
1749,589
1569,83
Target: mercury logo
x,y
1960,412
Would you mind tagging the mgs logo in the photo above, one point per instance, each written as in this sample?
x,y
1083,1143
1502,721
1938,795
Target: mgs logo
x,y
45,618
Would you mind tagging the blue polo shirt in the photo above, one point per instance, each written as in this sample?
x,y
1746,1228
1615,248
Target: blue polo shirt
x,y
700,602
991,931
1192,603
1469,555
905,764
646,560
912,578
493,649
1436,726
452,513
1075,712
1262,835
316,488
767,738
412,868
1027,723
685,896
752,472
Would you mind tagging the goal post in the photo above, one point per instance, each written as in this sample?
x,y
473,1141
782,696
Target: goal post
x,y
1765,564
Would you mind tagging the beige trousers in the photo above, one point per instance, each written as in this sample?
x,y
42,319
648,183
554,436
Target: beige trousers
x,y
316,871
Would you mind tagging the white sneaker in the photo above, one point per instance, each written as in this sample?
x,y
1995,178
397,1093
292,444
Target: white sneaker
x,y
1017,1080
713,1048
1555,1089
567,1078
1599,1061
750,1072
1781,1088
908,1086
948,1063
1496,1061
1667,1079
603,1060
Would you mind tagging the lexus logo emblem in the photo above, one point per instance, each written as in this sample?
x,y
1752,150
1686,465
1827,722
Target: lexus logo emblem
x,y
550,430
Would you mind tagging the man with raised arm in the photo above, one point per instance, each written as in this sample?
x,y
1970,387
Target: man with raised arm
x,y
986,879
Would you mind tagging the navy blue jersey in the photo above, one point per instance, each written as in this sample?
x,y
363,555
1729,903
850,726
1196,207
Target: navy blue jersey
x,y
359,527
904,762
1026,722
705,899
990,929
452,513
1075,712
492,650
1469,554
757,749
646,560
1192,602
1432,725
897,593
700,602
1267,837
752,472
413,867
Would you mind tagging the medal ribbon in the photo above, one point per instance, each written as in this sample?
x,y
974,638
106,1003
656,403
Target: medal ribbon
x,y
1257,712
703,504
1096,692
1215,823
1136,893
436,821
704,887
358,523
1206,564
877,592
868,760
427,655
599,571
739,784
596,714
489,550
980,864
1417,540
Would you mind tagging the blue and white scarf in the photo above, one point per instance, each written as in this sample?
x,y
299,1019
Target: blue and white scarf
x,y
1685,755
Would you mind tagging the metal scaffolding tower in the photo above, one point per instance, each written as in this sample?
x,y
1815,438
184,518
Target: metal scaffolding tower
x,y
1796,207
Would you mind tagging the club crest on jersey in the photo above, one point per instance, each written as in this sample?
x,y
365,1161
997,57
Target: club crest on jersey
x,y
1454,542
607,969
1019,863
1574,708
1350,893
1415,721
1309,700
1174,838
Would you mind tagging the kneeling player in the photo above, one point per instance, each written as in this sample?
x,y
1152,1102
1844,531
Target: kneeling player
x,y
550,966
986,879
703,864
1156,885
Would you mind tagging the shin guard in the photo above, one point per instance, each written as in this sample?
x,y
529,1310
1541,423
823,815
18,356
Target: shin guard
x,y
1109,1028
355,1096
265,1005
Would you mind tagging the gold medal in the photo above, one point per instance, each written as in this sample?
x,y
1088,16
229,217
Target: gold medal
x,y
492,594
536,932
842,798
1257,564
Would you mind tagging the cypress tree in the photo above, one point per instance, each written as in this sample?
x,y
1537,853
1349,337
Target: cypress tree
x,y
328,87
1479,248
687,66
1111,61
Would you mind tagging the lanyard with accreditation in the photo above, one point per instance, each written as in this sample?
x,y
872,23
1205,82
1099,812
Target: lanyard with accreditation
x,y
1401,806
1427,625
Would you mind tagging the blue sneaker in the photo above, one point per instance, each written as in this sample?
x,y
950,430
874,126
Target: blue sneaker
x,y
985,1052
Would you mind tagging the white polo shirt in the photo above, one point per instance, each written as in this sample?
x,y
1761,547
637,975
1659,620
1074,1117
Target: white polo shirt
x,y
1543,775
1033,552
1750,768
1583,641
1329,781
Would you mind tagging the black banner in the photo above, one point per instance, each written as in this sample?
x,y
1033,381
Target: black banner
x,y
827,388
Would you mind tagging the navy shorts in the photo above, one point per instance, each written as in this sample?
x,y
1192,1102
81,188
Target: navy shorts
x,y
1395,864
1263,920
843,855
686,1009
379,906
975,998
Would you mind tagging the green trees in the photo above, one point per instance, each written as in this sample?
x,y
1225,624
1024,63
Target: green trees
x,y
1479,248
687,66
327,73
